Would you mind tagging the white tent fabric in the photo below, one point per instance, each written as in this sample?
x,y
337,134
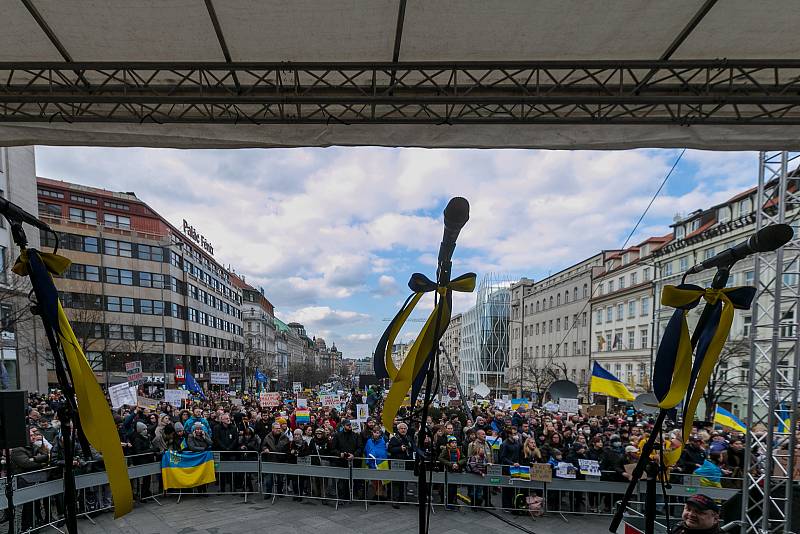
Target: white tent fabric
x,y
365,31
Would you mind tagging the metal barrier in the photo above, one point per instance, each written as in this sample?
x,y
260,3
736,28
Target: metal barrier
x,y
39,495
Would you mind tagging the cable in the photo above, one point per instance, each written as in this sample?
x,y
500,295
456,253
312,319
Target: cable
x,y
508,521
630,235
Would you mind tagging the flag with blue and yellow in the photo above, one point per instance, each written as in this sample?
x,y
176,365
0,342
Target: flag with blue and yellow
x,y
784,419
187,469
725,418
604,382
520,403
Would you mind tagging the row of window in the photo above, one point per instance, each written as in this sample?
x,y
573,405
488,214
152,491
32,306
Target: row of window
x,y
153,334
541,305
546,327
622,308
616,285
147,307
560,350
616,341
83,199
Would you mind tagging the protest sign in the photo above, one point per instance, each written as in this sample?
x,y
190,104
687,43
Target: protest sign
x,y
362,412
596,410
521,472
269,400
481,390
146,402
297,387
302,416
565,470
551,406
175,396
133,370
220,378
302,403
589,467
541,472
329,400
121,395
568,405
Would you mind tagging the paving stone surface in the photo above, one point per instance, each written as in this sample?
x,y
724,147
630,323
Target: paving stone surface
x,y
231,515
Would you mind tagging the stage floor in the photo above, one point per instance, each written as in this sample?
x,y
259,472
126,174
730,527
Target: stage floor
x,y
229,515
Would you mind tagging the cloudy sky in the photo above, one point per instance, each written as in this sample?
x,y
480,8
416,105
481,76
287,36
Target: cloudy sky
x,y
333,234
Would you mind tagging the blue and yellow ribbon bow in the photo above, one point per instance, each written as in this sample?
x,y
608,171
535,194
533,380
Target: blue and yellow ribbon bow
x,y
674,374
95,416
414,367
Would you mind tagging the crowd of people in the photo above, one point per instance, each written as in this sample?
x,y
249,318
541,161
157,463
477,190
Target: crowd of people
x,y
460,440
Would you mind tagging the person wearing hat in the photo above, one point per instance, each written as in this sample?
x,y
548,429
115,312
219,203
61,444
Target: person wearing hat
x,y
452,461
693,456
700,516
346,446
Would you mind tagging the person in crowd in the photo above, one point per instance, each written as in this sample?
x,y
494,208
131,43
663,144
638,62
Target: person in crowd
x,y
510,455
29,461
199,441
298,449
197,417
376,452
693,455
700,516
400,448
345,447
452,461
226,440
142,453
274,448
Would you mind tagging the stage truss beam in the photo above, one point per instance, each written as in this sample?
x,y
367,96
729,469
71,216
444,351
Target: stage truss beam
x,y
720,92
774,355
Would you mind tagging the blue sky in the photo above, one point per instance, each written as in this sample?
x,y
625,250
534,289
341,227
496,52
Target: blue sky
x,y
333,234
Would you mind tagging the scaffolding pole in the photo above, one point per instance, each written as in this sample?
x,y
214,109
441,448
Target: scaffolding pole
x,y
774,355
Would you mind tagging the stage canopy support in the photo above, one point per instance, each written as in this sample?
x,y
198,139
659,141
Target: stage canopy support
x,y
774,355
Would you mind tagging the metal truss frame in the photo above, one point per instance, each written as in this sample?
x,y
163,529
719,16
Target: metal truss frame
x,y
755,92
774,355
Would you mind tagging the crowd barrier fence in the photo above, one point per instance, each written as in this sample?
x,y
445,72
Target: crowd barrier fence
x,y
38,495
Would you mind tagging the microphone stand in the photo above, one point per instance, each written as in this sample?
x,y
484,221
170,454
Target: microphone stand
x,y
68,412
645,464
422,464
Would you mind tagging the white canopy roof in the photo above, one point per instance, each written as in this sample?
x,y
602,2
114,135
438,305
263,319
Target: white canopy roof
x,y
127,33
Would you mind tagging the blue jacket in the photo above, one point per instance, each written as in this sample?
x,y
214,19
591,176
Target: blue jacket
x,y
377,449
189,425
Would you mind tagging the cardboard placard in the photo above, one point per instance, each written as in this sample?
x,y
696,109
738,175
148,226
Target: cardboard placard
x,y
269,400
121,395
596,410
494,470
133,370
541,472
220,378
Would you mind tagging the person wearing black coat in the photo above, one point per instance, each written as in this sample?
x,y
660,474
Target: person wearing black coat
x,y
298,449
400,448
510,455
693,455
319,448
225,440
143,454
346,447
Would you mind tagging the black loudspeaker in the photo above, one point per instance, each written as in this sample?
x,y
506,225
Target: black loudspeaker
x,y
12,419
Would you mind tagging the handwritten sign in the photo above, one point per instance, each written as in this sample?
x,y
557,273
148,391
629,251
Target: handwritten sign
x,y
133,370
220,378
541,473
269,400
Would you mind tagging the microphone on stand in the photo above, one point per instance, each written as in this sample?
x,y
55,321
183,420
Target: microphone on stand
x,y
767,239
456,215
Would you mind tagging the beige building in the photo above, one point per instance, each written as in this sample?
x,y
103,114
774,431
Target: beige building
x,y
622,313
451,343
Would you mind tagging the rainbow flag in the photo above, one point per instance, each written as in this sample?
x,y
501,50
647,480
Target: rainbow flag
x,y
187,469
302,415
604,382
725,418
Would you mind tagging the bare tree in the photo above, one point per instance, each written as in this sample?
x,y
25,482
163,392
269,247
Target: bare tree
x,y
724,384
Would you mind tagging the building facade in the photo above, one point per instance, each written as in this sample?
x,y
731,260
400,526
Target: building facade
x,y
622,308
23,358
451,343
140,289
555,327
258,321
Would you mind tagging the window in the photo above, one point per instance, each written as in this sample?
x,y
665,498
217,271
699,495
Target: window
x,y
537,329
84,199
115,331
116,205
151,280
49,210
51,194
609,314
112,275
117,221
695,224
84,216
679,232
119,304
744,368
620,312
646,274
643,338
645,305
151,307
622,282
724,214
558,325
128,332
598,317
537,351
583,347
558,299
550,326
584,319
708,253
631,339
744,207
610,286
618,369
551,302
683,264
566,297
633,278
148,252
585,290
153,333
537,308
749,278
668,269
631,309
575,294
90,273
788,326
113,247
748,322
629,371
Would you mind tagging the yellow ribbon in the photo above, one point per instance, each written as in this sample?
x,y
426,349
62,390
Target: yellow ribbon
x,y
428,338
95,416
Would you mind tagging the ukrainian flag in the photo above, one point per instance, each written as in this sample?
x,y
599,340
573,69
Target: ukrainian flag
x,y
604,382
517,403
187,469
725,418
784,419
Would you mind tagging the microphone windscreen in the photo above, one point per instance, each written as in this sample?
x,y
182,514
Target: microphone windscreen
x,y
772,237
456,214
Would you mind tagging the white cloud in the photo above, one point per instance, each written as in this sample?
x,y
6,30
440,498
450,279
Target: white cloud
x,y
325,317
361,337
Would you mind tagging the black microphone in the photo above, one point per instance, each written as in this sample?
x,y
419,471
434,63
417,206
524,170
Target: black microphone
x,y
765,240
456,215
12,212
